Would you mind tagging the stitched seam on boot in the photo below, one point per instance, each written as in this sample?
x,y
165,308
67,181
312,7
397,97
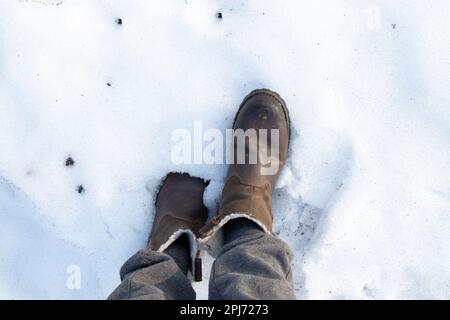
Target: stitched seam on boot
x,y
231,216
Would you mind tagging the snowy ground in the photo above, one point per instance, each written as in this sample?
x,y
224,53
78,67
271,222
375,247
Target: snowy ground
x,y
364,200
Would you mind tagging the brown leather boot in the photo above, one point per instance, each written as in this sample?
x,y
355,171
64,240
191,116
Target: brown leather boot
x,y
179,210
248,188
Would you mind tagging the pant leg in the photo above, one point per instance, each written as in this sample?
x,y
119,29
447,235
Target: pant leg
x,y
252,265
152,275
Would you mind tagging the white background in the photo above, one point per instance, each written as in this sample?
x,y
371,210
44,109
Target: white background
x,y
364,200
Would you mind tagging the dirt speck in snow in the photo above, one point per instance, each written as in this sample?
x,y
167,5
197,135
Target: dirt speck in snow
x,y
70,162
80,189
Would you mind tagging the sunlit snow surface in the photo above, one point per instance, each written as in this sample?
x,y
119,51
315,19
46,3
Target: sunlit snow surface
x,y
364,201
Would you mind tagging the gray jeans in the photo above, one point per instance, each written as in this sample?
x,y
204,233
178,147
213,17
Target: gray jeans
x,y
252,265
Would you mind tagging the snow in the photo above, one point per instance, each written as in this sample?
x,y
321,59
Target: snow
x,y
364,200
